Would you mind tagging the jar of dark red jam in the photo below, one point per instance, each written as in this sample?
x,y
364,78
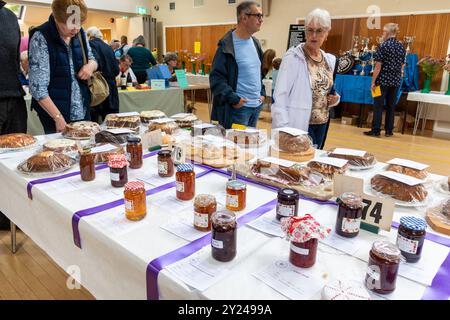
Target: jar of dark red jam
x,y
224,236
303,255
350,210
411,237
287,205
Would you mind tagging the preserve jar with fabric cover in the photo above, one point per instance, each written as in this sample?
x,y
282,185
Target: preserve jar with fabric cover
x,y
87,165
348,222
236,195
165,164
224,236
118,168
304,234
287,205
135,201
382,271
134,150
411,237
185,182
204,207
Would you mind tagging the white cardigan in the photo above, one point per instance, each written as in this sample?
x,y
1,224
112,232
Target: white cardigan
x,y
293,93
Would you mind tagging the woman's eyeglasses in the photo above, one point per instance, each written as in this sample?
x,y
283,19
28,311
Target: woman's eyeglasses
x,y
319,32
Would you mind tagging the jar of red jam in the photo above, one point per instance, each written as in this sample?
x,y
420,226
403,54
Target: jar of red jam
x,y
411,237
118,169
303,255
165,164
287,203
224,236
348,222
134,150
185,182
382,271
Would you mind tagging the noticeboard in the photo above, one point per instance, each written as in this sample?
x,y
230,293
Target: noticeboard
x,y
297,35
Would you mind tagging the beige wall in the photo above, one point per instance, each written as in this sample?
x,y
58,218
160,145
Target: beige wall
x,y
284,12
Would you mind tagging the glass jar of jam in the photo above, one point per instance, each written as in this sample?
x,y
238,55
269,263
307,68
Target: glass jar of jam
x,y
134,150
348,222
204,207
135,201
118,168
303,255
287,203
165,164
87,165
224,236
236,195
185,182
384,261
411,237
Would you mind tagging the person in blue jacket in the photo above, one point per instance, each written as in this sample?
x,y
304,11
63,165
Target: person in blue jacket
x,y
236,77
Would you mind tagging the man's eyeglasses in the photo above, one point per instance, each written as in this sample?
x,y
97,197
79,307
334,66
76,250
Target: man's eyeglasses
x,y
259,16
319,32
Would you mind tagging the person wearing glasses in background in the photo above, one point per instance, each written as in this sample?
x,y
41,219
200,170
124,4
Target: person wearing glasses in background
x,y
236,76
304,92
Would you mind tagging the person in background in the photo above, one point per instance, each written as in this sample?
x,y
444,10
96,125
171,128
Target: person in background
x,y
142,59
24,69
125,68
115,45
58,75
108,66
267,67
236,77
390,61
124,47
276,68
303,93
171,60
13,111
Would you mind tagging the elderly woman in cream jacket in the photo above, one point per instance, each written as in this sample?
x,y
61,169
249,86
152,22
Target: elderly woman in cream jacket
x,y
305,81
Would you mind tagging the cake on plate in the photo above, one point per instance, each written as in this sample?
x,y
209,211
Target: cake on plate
x,y
61,146
81,130
16,140
48,161
117,121
147,116
169,126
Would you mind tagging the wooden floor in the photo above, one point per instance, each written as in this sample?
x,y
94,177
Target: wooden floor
x,y
31,274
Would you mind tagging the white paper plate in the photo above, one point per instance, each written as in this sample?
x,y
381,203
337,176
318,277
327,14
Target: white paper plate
x,y
358,168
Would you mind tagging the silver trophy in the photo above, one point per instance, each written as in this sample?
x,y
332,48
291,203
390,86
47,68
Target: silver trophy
x,y
355,49
365,43
409,40
363,65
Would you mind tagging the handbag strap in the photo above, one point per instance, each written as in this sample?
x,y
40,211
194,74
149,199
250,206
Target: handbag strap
x,y
89,81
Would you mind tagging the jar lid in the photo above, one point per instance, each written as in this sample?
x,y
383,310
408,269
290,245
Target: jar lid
x,y
351,200
165,153
224,217
289,194
236,185
205,200
133,139
134,186
413,223
185,167
386,250
117,161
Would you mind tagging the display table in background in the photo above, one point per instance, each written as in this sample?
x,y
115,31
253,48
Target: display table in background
x,y
425,101
170,101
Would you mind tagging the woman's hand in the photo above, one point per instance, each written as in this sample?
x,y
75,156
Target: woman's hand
x,y
86,72
240,104
60,124
332,99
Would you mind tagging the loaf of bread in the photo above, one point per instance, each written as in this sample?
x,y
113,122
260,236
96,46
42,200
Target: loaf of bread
x,y
207,129
16,140
446,209
81,130
419,174
365,161
108,137
294,175
48,161
326,169
168,126
399,190
290,143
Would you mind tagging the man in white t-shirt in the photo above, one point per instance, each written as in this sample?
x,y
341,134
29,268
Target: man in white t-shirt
x,y
125,68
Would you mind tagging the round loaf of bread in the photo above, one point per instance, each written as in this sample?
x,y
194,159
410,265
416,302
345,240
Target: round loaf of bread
x,y
48,161
294,144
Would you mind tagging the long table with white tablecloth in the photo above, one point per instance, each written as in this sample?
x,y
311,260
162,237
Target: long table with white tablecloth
x,y
115,253
170,101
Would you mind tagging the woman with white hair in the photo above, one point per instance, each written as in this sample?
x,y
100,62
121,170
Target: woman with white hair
x,y
109,67
304,93
24,69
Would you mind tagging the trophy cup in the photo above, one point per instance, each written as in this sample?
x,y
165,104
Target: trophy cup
x,y
365,42
363,65
409,40
355,49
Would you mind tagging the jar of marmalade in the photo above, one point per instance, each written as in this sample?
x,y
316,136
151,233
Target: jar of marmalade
x,y
411,237
350,210
87,165
204,207
224,236
165,164
384,261
185,182
236,195
134,150
303,255
287,203
135,201
118,167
